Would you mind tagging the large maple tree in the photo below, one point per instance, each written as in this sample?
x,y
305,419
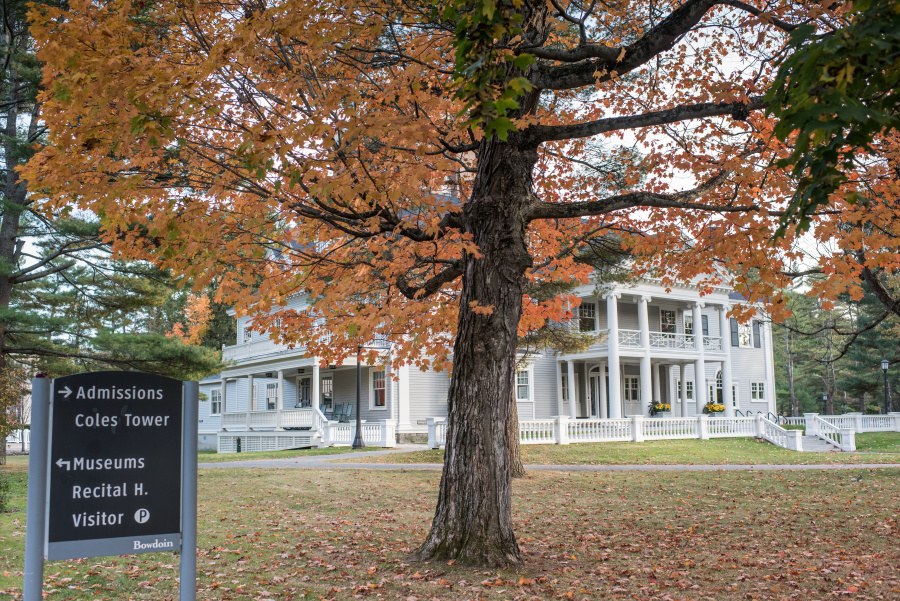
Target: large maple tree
x,y
412,165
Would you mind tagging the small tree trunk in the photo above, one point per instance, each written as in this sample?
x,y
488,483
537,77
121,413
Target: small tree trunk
x,y
516,467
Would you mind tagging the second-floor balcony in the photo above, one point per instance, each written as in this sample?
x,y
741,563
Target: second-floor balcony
x,y
259,347
631,339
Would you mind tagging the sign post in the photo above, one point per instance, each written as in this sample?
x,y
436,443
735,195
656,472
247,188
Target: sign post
x,y
117,474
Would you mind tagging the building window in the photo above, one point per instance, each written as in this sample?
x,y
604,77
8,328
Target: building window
x,y
688,323
522,394
632,389
379,398
565,388
757,391
667,321
327,393
248,333
215,402
586,315
271,396
689,389
745,335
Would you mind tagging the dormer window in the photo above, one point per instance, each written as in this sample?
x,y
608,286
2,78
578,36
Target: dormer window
x,y
248,333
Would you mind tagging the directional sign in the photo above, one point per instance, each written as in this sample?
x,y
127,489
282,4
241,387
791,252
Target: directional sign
x,y
115,465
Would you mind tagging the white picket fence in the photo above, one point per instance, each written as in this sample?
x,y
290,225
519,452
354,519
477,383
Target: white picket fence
x,y
635,428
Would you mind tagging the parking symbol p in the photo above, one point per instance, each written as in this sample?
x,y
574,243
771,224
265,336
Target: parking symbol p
x,y
141,516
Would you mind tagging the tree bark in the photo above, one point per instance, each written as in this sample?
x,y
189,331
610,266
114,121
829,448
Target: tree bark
x,y
473,520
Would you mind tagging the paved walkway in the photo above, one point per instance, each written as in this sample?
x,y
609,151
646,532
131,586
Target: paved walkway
x,y
328,462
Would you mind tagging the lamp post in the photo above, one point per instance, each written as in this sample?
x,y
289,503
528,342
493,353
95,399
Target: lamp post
x,y
358,439
824,403
884,366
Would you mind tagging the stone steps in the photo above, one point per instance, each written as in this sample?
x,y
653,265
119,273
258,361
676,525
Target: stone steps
x,y
814,444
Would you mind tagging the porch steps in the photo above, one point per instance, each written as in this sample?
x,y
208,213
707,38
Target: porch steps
x,y
814,444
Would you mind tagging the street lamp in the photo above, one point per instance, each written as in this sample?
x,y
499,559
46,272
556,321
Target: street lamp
x,y
824,403
358,439
884,365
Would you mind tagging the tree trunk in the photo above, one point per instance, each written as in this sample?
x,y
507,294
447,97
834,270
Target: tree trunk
x,y
473,521
516,467
795,404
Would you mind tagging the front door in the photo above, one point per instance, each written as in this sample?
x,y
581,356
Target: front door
x,y
303,392
631,393
595,396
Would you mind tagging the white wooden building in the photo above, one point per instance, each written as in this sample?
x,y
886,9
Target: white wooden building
x,y
651,344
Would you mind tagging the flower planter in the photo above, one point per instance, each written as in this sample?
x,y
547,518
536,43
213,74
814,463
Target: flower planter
x,y
716,413
663,414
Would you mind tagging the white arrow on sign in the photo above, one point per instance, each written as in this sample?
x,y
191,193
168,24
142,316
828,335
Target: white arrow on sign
x,y
60,462
66,391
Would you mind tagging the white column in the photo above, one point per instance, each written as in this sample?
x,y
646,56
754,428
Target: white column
x,y
559,389
683,391
644,321
314,393
646,376
699,364
251,398
615,387
403,398
573,413
656,373
770,364
279,402
727,396
604,413
224,395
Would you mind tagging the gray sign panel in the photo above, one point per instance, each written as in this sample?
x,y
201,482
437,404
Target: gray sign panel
x,y
115,465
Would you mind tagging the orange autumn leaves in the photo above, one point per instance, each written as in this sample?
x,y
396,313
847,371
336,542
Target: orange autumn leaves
x,y
216,138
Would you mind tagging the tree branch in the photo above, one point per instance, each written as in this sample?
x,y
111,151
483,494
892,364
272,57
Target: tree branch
x,y
537,134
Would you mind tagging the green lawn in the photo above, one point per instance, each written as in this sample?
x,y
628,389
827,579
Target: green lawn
x,y
297,534
676,452
878,442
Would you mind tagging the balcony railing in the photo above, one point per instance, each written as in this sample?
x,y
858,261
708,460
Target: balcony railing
x,y
630,338
665,340
712,343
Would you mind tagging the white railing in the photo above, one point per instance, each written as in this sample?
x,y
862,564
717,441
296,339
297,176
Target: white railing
x,y
842,438
838,421
437,432
379,434
596,430
296,418
878,423
851,421
667,428
792,421
778,436
722,427
712,343
251,349
671,341
262,419
630,338
541,431
234,420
